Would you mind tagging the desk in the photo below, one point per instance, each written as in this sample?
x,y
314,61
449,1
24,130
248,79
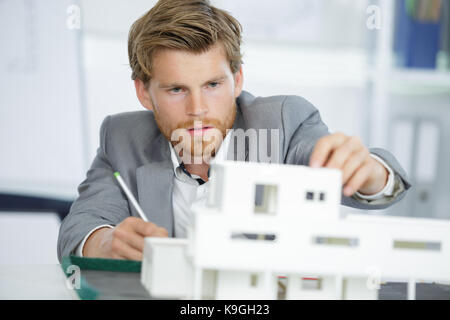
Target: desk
x,y
49,282
29,282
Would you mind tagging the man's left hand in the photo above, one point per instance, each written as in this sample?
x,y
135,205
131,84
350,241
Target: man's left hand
x,y
360,172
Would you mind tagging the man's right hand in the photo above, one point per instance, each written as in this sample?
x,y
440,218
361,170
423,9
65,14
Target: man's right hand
x,y
125,241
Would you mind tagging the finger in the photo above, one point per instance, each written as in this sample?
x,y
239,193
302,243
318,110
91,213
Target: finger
x,y
160,232
124,251
342,153
353,163
358,179
323,148
145,229
117,256
134,240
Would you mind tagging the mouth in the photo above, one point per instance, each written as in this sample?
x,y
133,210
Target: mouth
x,y
199,130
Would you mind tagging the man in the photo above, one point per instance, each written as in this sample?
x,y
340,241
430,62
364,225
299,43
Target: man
x,y
186,65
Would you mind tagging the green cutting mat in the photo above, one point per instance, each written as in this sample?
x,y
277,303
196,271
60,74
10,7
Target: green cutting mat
x,y
86,291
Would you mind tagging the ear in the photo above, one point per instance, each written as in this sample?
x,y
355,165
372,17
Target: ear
x,y
143,94
238,82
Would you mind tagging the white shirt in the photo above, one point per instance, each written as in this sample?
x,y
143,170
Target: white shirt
x,y
187,191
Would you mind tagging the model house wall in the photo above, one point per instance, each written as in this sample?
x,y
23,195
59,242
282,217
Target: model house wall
x,y
248,236
285,189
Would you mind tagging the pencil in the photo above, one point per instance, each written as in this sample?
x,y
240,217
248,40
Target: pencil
x,y
130,196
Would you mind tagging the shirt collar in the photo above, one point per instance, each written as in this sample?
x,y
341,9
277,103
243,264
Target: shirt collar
x,y
221,155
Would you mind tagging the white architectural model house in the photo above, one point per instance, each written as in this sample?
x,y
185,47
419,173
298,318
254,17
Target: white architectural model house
x,y
266,222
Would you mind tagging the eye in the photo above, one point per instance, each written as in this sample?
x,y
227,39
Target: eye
x,y
214,84
175,90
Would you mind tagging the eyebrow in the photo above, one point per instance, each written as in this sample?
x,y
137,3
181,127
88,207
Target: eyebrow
x,y
175,85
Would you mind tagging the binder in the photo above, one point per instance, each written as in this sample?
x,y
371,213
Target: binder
x,y
445,32
417,37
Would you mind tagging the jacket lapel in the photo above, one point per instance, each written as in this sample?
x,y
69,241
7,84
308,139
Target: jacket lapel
x,y
155,185
233,153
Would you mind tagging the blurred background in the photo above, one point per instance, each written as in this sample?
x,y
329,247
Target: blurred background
x,y
376,69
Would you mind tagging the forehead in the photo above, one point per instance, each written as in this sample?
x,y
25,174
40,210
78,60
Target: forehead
x,y
172,64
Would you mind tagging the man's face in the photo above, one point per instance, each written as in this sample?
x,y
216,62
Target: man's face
x,y
193,97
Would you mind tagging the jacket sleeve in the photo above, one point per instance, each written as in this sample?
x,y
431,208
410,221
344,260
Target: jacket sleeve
x,y
100,201
303,127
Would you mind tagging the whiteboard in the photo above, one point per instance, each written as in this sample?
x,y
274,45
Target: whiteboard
x,y
300,22
42,126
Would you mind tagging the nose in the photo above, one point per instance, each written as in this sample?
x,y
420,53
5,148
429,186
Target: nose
x,y
196,106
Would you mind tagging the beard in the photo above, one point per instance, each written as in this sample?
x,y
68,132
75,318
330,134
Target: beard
x,y
198,147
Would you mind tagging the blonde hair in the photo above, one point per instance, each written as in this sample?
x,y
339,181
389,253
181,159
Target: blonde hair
x,y
191,25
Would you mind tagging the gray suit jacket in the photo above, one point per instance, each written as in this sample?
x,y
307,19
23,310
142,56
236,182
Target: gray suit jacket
x,y
132,144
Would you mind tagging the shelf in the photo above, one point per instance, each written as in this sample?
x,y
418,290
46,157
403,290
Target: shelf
x,y
418,76
427,78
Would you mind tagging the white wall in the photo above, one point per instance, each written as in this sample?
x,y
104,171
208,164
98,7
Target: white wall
x,y
41,122
109,88
42,139
28,238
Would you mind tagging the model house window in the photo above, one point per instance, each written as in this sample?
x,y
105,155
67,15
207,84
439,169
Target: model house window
x,y
322,196
253,280
417,245
311,283
315,196
266,197
253,236
336,241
